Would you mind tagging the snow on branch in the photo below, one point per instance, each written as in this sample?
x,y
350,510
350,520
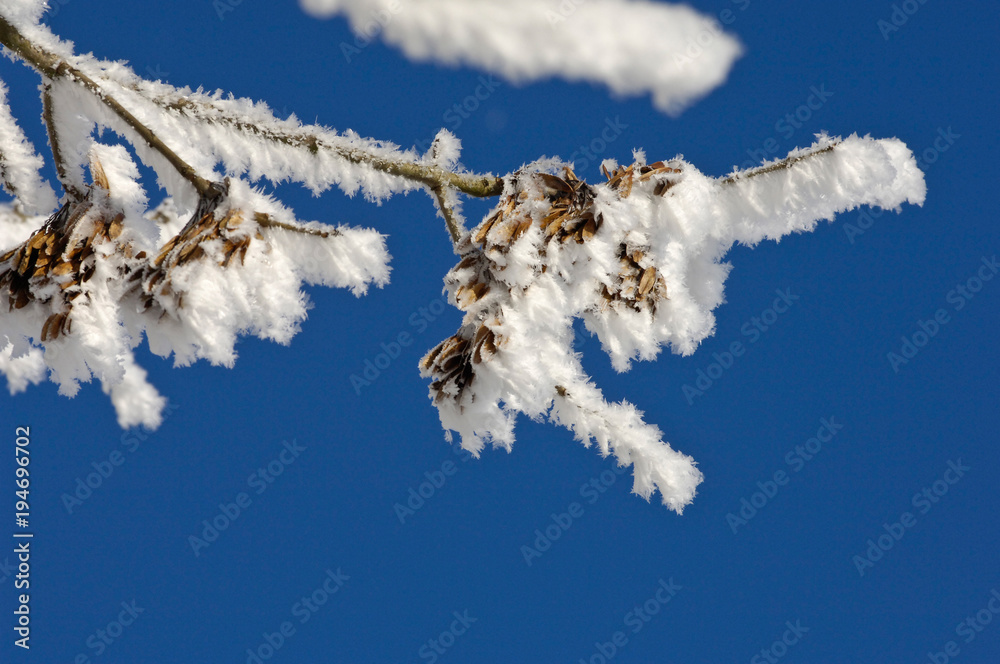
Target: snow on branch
x,y
20,164
82,286
638,259
184,134
631,46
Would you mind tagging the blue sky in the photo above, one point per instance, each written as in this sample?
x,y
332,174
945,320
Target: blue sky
x,y
903,454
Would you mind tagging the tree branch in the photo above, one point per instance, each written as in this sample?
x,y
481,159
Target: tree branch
x,y
52,67
57,156
479,186
787,162
449,215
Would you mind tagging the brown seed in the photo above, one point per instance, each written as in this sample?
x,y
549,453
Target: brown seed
x,y
97,173
648,281
428,360
22,299
52,327
552,227
115,228
557,183
25,264
485,228
520,229
626,187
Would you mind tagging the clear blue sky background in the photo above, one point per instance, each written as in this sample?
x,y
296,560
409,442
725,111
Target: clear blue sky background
x,y
332,508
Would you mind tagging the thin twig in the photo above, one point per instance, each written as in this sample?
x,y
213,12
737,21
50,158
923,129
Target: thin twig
x,y
267,222
448,214
53,68
788,162
479,186
57,155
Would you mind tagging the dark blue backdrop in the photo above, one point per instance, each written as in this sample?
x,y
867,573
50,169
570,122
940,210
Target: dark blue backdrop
x,y
320,565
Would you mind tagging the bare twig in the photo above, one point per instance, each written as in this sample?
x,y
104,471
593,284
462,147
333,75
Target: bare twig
x,y
57,156
479,186
449,215
267,222
788,162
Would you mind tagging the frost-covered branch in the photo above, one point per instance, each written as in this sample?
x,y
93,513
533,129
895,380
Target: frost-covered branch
x,y
401,165
638,258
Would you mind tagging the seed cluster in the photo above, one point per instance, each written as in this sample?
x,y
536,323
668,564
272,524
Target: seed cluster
x,y
153,283
64,252
564,210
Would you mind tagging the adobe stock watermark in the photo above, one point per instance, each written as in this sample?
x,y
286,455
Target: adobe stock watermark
x,y
753,329
85,485
925,159
438,646
787,125
790,637
591,491
55,6
563,11
796,459
899,17
710,31
223,7
105,637
302,610
957,297
635,620
969,630
455,115
419,321
259,480
585,155
433,482
373,26
924,502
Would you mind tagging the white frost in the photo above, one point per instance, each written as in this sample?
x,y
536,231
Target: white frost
x,y
23,370
20,164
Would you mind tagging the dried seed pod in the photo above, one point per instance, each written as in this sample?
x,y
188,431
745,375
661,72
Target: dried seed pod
x,y
647,281
52,327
